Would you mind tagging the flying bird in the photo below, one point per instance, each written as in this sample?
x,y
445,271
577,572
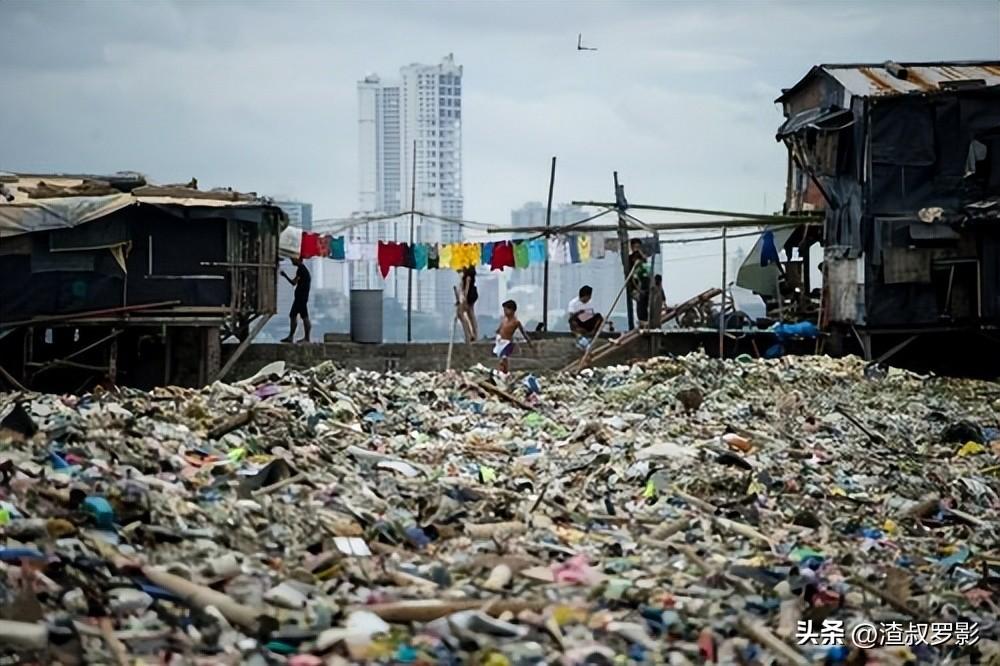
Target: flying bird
x,y
580,46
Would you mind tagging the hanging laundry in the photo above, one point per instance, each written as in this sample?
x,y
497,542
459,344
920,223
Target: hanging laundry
x,y
337,252
768,250
432,256
503,256
521,254
310,245
486,257
408,259
389,255
583,247
445,255
557,250
574,249
464,255
352,250
471,255
420,252
459,256
369,252
536,251
597,249
323,246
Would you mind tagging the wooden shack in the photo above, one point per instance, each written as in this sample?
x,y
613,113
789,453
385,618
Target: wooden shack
x,y
108,279
904,160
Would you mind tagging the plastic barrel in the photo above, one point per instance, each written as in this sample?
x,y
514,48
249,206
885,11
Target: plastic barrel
x,y
366,316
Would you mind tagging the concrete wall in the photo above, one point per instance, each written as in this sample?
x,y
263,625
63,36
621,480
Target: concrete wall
x,y
545,356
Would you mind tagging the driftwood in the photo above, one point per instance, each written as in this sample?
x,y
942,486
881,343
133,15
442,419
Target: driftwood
x,y
284,483
26,635
486,387
115,646
489,530
759,633
667,530
230,424
201,596
887,598
432,609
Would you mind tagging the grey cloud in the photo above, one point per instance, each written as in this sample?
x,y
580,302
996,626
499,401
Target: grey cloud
x,y
261,95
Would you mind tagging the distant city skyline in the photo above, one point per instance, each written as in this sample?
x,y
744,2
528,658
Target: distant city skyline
x,y
422,111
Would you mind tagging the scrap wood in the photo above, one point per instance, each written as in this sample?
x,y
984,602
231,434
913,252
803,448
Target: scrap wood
x,y
490,530
117,648
230,424
732,525
24,635
967,517
757,631
888,598
432,609
284,483
202,596
500,393
668,314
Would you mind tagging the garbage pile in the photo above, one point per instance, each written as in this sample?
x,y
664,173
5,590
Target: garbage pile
x,y
680,511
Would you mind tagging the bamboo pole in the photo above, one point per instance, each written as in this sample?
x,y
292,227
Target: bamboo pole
x,y
545,273
623,243
702,211
660,226
722,313
409,276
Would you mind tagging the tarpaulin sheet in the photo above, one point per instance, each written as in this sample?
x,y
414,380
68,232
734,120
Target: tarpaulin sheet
x,y
58,213
762,279
30,215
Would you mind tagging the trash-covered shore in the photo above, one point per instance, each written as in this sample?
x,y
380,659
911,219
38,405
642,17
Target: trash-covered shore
x,y
680,511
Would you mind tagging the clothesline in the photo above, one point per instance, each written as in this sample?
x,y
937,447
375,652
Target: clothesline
x,y
352,222
497,255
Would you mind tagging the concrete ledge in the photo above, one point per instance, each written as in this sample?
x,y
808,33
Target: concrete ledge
x,y
544,356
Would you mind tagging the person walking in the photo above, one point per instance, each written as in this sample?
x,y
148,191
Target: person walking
x,y
300,305
467,306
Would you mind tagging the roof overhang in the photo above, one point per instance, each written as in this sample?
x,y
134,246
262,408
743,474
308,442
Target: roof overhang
x,y
823,120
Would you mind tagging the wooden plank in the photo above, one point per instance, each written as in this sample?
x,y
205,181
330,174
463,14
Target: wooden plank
x,y
668,314
242,347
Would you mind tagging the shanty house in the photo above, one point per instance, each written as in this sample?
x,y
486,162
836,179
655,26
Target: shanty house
x,y
904,160
111,278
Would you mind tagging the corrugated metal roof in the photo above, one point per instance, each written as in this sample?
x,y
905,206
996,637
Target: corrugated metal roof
x,y
876,80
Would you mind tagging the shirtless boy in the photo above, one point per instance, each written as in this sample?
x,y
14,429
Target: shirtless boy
x,y
509,324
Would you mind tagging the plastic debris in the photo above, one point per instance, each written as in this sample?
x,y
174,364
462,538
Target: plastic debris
x,y
679,511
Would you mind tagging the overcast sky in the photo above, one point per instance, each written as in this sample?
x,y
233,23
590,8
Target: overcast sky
x,y
262,96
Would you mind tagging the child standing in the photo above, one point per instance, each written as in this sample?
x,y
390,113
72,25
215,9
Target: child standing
x,y
509,324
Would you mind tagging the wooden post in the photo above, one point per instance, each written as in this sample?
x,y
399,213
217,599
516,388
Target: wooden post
x,y
722,313
545,273
621,204
409,277
804,297
242,347
451,341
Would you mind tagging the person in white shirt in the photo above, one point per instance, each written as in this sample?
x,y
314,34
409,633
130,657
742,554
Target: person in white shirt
x,y
583,321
